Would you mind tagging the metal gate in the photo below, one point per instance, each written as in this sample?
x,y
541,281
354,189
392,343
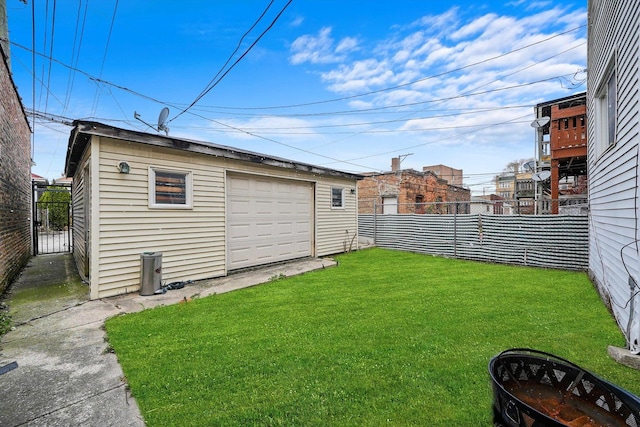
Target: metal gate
x,y
51,218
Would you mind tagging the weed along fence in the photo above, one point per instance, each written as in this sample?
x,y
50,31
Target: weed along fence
x,y
550,241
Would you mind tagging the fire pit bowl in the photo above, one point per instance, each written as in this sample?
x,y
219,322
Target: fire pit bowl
x,y
536,389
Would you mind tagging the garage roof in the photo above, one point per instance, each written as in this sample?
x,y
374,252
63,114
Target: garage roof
x,y
84,130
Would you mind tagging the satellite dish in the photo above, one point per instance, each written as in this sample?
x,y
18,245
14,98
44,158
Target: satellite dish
x,y
540,121
529,165
541,176
162,118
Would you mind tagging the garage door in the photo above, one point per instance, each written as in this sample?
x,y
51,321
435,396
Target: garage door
x,y
268,220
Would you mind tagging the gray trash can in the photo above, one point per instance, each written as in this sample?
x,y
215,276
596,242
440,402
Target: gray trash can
x,y
150,272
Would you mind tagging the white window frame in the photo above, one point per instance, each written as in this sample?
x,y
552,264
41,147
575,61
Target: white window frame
x,y
341,190
605,106
153,204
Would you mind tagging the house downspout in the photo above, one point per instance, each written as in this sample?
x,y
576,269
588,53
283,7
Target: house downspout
x,y
632,324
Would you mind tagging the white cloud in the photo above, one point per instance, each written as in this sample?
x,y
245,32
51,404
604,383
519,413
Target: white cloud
x,y
438,22
297,21
473,27
321,48
359,76
347,44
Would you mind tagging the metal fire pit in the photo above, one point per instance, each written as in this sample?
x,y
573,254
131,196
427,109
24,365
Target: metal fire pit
x,y
536,389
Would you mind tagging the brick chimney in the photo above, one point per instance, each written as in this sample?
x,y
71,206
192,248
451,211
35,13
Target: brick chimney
x,y
395,164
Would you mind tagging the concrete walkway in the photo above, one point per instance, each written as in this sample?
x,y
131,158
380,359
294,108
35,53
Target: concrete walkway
x,y
54,367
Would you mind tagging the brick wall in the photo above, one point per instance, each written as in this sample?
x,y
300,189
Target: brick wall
x,y
408,186
15,180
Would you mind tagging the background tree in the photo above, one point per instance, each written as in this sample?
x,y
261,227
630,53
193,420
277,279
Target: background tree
x,y
54,206
514,166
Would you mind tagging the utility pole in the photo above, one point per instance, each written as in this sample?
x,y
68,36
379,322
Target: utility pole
x,y
4,32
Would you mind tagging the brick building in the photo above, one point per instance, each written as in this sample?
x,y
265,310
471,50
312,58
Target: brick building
x,y
15,170
449,174
406,191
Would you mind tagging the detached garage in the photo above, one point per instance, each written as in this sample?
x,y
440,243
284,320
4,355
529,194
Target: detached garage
x,y
209,209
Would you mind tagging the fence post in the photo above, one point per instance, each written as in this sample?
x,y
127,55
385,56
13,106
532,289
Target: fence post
x,y
455,230
375,225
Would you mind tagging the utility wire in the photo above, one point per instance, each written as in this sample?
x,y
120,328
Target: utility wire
x,y
44,48
174,105
281,143
233,65
53,27
211,82
104,58
344,98
402,119
465,93
457,135
374,131
33,68
75,54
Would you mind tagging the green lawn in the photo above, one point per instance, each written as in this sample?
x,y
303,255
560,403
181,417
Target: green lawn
x,y
385,338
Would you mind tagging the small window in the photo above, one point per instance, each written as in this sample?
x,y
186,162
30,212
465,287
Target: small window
x,y
611,109
337,197
169,189
606,113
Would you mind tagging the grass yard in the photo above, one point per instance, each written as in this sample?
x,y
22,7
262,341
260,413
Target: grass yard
x,y
385,338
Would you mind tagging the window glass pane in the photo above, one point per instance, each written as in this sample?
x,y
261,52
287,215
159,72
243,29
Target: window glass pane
x,y
336,197
171,188
611,108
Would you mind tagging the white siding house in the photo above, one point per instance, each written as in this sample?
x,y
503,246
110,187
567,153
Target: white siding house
x,y
209,209
613,108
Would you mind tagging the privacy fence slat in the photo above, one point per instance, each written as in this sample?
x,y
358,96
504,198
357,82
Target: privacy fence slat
x,y
558,241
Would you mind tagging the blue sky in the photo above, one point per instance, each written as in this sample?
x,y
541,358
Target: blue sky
x,y
341,84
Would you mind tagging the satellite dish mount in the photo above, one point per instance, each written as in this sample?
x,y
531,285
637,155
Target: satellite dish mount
x,y
162,120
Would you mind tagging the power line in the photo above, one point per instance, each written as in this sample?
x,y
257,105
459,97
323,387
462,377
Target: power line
x,y
75,53
373,131
371,110
377,109
211,86
402,119
202,93
104,58
281,143
436,140
53,27
411,82
33,65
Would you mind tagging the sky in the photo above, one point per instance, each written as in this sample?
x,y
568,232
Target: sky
x,y
342,84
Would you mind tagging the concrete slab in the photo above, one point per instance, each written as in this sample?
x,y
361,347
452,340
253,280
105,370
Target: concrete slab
x,y
65,375
624,357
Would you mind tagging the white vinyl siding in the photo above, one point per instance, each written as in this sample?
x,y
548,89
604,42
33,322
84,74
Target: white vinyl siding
x,y
613,173
80,209
336,228
192,242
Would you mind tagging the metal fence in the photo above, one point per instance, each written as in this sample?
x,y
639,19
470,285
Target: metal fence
x,y
577,205
51,219
550,241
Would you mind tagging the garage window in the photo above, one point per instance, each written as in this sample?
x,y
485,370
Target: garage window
x,y
170,189
337,198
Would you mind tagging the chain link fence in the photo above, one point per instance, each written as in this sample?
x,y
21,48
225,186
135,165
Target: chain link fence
x,y
493,232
